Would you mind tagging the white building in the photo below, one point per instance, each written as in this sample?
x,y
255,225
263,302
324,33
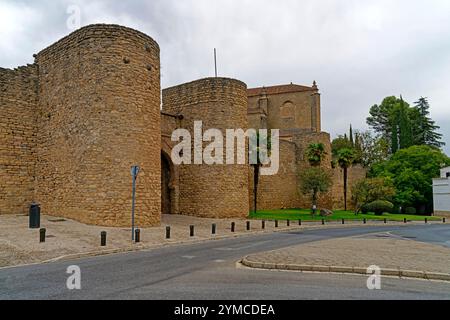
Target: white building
x,y
441,193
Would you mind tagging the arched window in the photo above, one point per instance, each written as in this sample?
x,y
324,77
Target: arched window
x,y
287,111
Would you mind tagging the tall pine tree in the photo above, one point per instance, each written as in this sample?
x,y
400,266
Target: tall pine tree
x,y
426,129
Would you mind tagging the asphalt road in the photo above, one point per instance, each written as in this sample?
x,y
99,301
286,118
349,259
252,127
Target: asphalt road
x,y
209,271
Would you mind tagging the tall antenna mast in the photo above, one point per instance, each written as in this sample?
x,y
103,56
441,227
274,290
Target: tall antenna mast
x,y
215,61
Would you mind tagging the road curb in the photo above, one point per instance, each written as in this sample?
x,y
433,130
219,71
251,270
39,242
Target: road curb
x,y
345,269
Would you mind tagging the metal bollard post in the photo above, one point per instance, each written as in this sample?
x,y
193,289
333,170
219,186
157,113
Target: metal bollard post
x,y
288,223
426,220
42,235
263,224
343,221
276,223
299,222
233,227
192,233
385,220
167,232
103,238
248,226
214,227
404,220
365,221
137,235
323,222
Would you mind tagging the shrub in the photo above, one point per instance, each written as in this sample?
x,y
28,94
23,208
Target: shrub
x,y
380,206
396,210
410,210
365,209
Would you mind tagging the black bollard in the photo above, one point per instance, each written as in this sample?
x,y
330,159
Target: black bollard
x,y
192,231
288,223
103,238
385,220
426,220
404,220
167,232
365,221
323,222
42,235
299,222
248,225
263,224
137,236
233,227
276,223
343,221
214,227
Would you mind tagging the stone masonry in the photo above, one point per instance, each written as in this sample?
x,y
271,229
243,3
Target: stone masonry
x,y
96,113
213,191
73,123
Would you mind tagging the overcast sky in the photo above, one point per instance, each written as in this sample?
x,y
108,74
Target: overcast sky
x,y
359,51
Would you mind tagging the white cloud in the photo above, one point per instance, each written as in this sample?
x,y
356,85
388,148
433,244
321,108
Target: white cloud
x,y
358,51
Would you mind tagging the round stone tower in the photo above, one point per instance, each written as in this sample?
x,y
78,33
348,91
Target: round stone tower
x,y
99,114
213,191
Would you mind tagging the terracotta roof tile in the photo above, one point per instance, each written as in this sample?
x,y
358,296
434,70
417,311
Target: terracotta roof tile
x,y
287,88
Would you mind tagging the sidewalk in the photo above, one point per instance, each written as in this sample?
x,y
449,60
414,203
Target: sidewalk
x,y
394,255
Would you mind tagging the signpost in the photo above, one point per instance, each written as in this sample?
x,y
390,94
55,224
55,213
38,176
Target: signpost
x,y
134,173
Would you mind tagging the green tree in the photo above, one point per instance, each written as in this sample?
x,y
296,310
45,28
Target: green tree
x,y
394,139
314,181
426,128
341,142
352,140
371,149
404,124
412,171
382,117
315,153
345,159
372,189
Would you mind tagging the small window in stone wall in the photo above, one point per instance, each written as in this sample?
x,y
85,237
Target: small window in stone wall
x,y
287,111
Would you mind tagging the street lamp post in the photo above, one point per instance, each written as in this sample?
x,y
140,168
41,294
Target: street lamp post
x,y
134,173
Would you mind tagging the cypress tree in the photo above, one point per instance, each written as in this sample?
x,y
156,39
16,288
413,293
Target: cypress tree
x,y
394,137
352,141
404,126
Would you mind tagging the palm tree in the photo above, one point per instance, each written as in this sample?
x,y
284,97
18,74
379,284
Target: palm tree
x,y
345,159
256,166
315,153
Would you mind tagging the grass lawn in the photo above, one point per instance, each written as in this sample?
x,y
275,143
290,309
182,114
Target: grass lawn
x,y
305,215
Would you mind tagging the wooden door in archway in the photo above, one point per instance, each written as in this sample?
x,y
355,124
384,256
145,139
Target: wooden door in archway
x,y
166,204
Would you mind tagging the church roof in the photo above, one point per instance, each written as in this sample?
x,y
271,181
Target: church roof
x,y
286,88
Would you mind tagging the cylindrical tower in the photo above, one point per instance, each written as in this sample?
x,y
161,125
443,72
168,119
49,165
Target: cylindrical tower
x,y
99,114
213,191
